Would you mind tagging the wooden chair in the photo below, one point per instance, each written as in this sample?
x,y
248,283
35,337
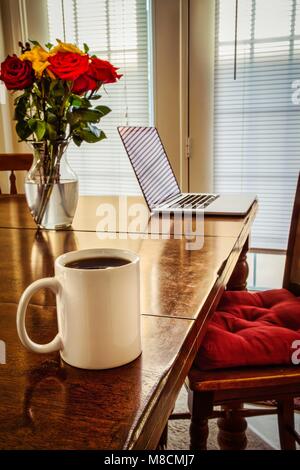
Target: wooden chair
x,y
15,162
231,388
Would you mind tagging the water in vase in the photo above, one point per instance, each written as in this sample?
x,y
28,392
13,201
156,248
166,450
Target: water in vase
x,y
61,206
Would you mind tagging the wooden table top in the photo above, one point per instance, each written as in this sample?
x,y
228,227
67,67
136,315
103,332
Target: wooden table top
x,y
174,281
46,404
14,213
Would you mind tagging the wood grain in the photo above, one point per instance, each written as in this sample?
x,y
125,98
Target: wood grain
x,y
14,213
15,161
46,404
174,281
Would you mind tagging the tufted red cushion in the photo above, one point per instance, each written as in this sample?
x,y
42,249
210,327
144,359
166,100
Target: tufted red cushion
x,y
251,329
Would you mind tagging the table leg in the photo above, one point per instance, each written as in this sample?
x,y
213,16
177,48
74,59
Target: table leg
x,y
238,280
232,426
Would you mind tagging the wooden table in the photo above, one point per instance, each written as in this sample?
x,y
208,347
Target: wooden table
x,y
46,404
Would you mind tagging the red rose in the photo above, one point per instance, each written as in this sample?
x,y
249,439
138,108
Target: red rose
x,y
83,84
103,71
17,74
68,65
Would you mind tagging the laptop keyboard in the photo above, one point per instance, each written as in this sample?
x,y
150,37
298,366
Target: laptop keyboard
x,y
194,201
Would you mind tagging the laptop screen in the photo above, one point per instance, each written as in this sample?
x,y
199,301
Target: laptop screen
x,y
150,163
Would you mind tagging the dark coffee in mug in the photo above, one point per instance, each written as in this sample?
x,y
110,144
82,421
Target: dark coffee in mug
x,y
100,262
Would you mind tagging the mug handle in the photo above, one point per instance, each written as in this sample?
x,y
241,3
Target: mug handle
x,y
54,345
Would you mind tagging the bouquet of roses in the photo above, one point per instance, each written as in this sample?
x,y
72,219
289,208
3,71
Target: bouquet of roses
x,y
58,84
59,88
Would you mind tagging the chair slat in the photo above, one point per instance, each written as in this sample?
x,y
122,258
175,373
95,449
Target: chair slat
x,y
15,162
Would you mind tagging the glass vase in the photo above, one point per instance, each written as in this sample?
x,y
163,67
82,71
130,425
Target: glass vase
x,y
51,186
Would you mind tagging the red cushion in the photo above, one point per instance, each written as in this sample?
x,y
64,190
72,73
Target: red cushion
x,y
251,329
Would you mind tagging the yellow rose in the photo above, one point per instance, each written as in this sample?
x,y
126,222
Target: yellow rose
x,y
39,59
65,47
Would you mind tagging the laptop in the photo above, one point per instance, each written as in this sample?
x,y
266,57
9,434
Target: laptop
x,y
159,184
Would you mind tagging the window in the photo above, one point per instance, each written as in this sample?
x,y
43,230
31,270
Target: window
x,y
257,124
119,31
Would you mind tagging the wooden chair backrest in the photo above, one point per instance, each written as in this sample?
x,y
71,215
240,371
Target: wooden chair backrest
x,y
15,162
291,279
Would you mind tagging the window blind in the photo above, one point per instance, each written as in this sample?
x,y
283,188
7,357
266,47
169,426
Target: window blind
x,y
118,31
257,124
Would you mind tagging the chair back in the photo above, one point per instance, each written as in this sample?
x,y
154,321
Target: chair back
x,y
291,279
15,162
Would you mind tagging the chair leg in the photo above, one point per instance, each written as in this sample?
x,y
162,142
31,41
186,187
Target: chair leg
x,y
286,424
232,428
201,407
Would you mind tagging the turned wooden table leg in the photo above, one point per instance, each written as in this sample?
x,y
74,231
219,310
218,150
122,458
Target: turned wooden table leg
x,y
232,428
238,280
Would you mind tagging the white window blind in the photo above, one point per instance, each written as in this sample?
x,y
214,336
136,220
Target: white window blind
x,y
118,31
257,125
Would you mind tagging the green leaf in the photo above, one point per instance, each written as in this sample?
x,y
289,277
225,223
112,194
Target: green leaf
x,y
86,48
79,101
21,107
75,100
49,45
85,103
17,99
83,115
32,123
20,112
92,134
95,97
89,115
23,130
89,137
40,129
51,117
77,140
51,131
104,110
35,43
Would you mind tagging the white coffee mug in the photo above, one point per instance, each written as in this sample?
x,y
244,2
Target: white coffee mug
x,y
98,311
